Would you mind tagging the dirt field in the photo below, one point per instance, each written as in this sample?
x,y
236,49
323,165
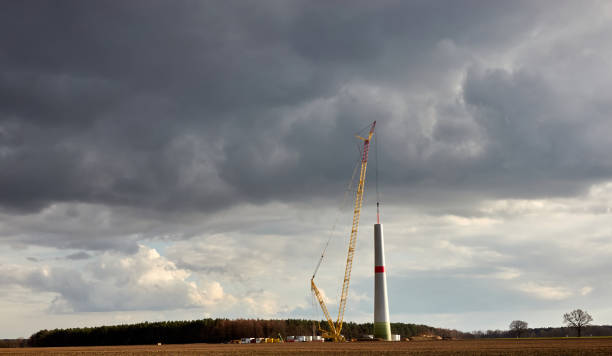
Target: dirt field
x,y
547,347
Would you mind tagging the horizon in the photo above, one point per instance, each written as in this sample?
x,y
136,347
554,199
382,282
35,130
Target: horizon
x,y
182,160
474,333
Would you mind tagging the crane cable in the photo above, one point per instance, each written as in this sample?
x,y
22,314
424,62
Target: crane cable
x,y
359,193
348,189
331,234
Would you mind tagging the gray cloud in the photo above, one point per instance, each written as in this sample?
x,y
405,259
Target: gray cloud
x,y
221,133
202,106
78,256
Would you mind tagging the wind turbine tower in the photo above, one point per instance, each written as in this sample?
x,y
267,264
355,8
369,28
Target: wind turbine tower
x,y
382,327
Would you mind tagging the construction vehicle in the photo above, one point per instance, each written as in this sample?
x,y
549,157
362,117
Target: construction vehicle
x,y
335,328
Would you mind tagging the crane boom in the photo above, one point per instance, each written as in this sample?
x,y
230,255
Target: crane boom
x,y
336,328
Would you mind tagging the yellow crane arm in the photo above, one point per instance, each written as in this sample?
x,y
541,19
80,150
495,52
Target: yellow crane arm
x,y
354,228
330,322
336,328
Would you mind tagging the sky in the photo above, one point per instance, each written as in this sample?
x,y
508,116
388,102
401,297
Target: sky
x,y
176,160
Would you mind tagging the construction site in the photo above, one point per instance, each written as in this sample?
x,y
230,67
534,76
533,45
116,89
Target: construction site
x,y
382,326
332,331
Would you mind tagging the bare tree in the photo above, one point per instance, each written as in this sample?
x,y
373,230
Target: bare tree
x,y
518,327
577,320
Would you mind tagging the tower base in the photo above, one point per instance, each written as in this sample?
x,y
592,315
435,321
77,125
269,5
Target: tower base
x,y
382,330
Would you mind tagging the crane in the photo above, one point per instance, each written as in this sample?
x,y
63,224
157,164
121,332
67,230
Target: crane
x,y
336,327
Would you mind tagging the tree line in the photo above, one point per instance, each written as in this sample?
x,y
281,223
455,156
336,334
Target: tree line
x,y
591,330
210,331
224,330
21,342
577,321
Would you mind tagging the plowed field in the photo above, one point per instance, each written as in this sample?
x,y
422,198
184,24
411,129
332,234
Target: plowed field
x,y
544,347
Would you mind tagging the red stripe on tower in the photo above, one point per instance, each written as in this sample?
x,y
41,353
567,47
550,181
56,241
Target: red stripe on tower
x,y
379,269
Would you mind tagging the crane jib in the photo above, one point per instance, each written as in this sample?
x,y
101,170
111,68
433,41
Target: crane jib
x,y
336,328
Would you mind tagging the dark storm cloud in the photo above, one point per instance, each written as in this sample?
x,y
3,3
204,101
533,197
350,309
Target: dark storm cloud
x,y
538,141
202,105
78,256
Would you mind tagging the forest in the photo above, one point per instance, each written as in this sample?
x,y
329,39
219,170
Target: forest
x,y
225,330
209,331
590,330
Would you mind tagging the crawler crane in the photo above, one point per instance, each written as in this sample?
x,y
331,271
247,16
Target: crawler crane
x,y
336,327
